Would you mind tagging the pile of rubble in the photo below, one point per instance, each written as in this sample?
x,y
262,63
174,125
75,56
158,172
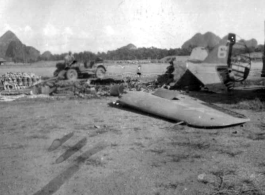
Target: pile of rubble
x,y
29,83
18,80
91,88
166,80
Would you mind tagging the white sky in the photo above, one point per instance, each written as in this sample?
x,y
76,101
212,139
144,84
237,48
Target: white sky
x,y
101,25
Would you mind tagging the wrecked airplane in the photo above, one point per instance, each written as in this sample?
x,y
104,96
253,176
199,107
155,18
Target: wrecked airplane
x,y
216,70
181,108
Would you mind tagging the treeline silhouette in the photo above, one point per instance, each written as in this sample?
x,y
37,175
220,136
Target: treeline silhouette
x,y
143,53
123,54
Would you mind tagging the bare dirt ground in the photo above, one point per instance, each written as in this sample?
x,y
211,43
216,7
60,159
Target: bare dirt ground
x,y
122,151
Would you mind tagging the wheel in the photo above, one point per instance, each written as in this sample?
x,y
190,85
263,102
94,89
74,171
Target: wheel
x,y
100,72
72,74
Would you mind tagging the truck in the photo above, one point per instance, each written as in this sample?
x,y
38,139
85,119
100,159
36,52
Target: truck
x,y
80,70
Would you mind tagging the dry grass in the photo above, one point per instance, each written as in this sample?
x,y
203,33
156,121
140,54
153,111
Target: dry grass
x,y
35,64
95,162
192,144
46,69
157,151
231,184
229,151
13,146
181,157
36,136
169,156
41,71
255,105
235,187
104,129
139,144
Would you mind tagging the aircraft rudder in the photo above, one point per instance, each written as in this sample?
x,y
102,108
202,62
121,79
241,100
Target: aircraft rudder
x,y
219,54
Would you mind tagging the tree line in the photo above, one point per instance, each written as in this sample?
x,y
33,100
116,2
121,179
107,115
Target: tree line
x,y
138,54
123,54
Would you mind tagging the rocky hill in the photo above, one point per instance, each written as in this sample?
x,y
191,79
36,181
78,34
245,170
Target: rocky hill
x,y
129,47
5,40
12,49
252,43
208,39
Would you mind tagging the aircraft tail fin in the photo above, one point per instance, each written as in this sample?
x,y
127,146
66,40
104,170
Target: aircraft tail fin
x,y
221,54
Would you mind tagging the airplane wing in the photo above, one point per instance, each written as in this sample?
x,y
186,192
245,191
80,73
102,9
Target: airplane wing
x,y
180,108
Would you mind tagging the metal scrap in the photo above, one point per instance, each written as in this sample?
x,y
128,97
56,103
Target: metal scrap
x,y
179,107
91,88
18,80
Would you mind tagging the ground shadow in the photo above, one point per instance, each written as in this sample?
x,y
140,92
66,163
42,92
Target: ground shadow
x,y
232,97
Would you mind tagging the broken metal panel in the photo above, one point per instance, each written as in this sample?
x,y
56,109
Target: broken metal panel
x,y
206,73
198,54
179,69
194,75
184,108
188,81
116,90
167,94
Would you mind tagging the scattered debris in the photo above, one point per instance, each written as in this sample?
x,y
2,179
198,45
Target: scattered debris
x,y
91,88
18,80
166,80
10,98
208,178
116,90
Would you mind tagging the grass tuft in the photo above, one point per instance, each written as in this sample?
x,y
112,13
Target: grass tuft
x,y
256,105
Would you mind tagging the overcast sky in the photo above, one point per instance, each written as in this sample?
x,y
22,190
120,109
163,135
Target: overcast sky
x,y
101,25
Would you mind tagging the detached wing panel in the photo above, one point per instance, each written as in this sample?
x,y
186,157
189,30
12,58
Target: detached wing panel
x,y
193,112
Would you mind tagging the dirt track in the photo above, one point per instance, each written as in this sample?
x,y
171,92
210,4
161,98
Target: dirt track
x,y
126,152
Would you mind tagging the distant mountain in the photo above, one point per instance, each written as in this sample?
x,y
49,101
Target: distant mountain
x,y
208,39
47,55
5,40
13,49
129,47
32,53
252,43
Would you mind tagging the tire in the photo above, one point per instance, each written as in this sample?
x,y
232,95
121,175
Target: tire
x,y
100,72
72,75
